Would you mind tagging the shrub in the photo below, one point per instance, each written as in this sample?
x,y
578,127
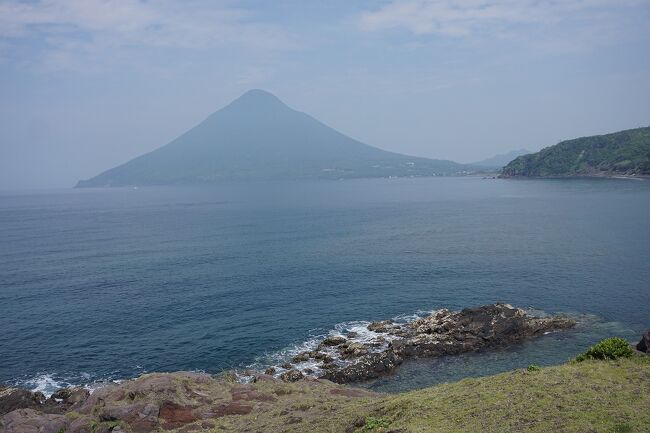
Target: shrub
x,y
610,348
374,424
533,367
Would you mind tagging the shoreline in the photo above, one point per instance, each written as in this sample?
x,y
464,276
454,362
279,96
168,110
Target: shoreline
x,y
185,402
579,176
348,343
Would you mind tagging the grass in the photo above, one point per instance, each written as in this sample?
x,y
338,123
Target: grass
x,y
591,397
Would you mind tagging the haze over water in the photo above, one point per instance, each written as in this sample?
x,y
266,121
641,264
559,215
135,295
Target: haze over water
x,y
109,283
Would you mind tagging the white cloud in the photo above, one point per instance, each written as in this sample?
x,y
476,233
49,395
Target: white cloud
x,y
72,29
462,17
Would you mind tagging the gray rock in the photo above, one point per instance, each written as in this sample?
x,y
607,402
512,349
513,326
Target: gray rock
x,y
13,398
291,376
644,344
32,421
442,333
333,340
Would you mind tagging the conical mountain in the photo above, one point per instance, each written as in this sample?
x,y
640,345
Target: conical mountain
x,y
257,136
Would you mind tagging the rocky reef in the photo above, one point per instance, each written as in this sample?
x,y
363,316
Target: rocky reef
x,y
386,344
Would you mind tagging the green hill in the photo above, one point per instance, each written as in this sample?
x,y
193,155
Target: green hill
x,y
621,153
258,137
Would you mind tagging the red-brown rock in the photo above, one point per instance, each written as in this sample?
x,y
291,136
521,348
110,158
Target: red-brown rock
x,y
175,415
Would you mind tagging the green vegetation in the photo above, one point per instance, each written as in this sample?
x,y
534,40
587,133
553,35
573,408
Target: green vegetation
x,y
622,153
591,396
595,396
533,368
374,425
610,348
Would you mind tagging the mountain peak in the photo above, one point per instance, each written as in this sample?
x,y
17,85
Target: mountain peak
x,y
258,93
258,137
257,98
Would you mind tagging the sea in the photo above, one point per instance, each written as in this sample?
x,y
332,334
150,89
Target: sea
x,y
102,285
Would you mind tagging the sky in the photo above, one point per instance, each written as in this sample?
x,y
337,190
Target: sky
x,y
88,84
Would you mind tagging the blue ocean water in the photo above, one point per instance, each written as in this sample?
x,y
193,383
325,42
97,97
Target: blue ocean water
x,y
104,284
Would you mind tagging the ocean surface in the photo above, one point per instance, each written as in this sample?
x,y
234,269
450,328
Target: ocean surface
x,y
106,284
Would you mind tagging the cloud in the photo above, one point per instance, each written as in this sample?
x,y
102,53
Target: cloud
x,y
463,17
72,29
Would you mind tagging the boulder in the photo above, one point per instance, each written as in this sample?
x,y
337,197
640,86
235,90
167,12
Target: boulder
x,y
333,340
353,350
70,396
321,356
301,357
13,398
644,344
33,421
380,326
291,376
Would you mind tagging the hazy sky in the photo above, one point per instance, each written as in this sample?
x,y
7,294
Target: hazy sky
x,y
88,84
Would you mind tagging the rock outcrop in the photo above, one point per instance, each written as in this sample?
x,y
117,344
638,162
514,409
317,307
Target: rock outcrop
x,y
344,360
181,402
644,344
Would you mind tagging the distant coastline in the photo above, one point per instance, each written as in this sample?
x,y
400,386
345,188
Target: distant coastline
x,y
624,154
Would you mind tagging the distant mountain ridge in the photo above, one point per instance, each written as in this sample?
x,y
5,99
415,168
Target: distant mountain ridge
x,y
500,160
259,137
620,153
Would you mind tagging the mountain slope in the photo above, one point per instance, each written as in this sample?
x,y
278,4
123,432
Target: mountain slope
x,y
500,160
259,137
623,153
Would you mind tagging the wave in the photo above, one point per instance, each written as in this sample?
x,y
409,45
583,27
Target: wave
x,y
48,383
354,331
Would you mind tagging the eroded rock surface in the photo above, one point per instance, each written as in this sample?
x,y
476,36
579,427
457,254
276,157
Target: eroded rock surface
x,y
444,332
178,402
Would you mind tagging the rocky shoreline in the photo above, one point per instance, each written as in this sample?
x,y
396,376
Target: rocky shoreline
x,y
193,401
387,344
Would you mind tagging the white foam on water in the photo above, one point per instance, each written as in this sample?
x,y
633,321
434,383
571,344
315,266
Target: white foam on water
x,y
50,382
375,342
44,383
